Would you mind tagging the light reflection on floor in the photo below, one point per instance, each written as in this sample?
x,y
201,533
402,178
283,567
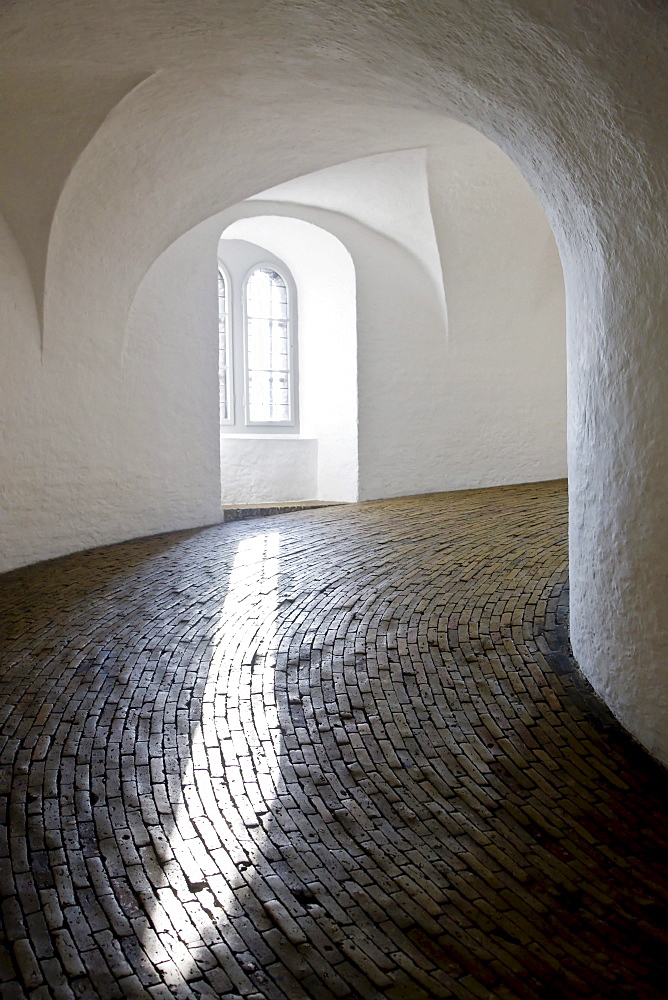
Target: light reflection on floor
x,y
342,753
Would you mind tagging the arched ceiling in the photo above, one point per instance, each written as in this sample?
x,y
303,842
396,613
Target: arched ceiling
x,y
146,117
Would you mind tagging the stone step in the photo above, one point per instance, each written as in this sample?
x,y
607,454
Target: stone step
x,y
244,511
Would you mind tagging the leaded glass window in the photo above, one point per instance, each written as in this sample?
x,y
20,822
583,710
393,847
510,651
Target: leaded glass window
x,y
268,349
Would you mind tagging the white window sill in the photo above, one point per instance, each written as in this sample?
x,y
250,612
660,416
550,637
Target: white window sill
x,y
258,436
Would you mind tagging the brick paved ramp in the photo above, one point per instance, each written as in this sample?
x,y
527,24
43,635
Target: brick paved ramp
x,y
339,753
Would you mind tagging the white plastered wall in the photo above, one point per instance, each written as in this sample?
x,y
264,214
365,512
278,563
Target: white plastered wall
x,y
97,447
461,319
217,109
429,401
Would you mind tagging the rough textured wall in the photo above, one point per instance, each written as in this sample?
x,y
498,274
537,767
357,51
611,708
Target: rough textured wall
x,y
461,323
100,446
222,103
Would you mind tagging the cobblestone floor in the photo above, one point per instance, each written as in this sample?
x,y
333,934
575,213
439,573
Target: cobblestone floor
x,y
340,753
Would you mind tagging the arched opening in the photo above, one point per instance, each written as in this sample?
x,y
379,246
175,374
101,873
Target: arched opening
x,y
446,398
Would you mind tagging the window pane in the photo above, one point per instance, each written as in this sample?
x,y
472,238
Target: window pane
x,y
224,373
268,396
268,347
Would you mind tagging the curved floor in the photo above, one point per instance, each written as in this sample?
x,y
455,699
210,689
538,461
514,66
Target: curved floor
x,y
339,753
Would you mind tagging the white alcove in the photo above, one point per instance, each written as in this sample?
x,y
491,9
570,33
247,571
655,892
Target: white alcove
x,y
316,457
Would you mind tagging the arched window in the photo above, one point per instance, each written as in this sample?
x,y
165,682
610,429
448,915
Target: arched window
x,y
257,349
268,349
